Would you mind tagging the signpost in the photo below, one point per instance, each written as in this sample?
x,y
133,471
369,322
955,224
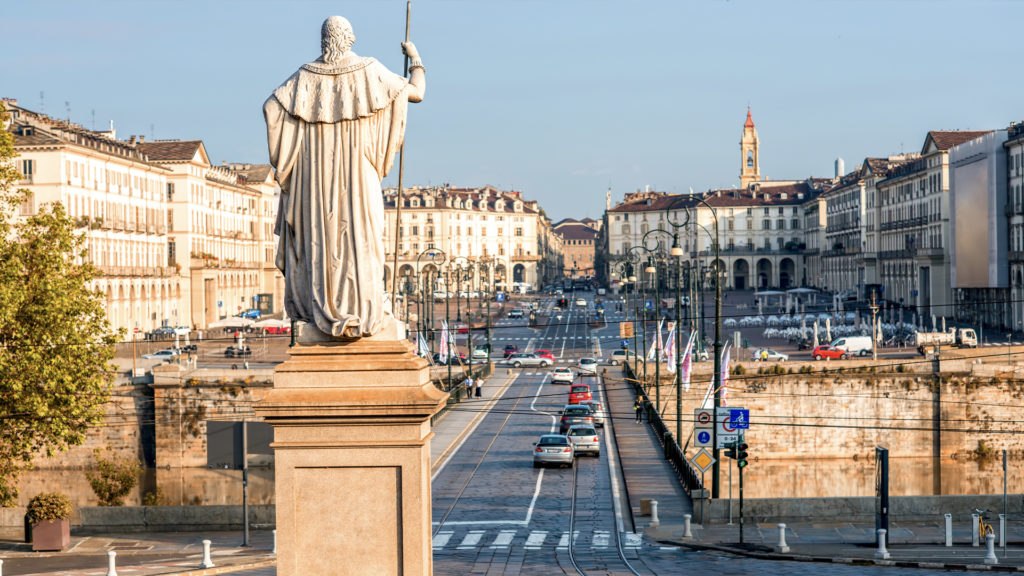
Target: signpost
x,y
702,438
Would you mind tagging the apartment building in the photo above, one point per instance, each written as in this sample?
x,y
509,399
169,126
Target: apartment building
x,y
117,196
1014,146
578,246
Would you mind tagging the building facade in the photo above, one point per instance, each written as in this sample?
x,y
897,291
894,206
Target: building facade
x,y
1015,226
578,247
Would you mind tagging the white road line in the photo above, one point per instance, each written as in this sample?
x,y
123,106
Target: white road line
x,y
601,539
441,539
536,539
471,540
504,539
491,403
633,540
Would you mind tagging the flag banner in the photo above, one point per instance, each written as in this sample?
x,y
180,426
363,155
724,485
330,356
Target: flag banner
x,y
686,364
443,352
724,377
670,350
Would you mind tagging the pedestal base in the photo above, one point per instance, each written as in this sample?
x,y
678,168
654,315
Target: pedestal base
x,y
352,456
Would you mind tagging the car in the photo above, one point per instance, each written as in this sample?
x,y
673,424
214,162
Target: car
x,y
828,352
440,295
553,449
462,329
597,410
588,365
251,313
559,291
578,393
189,348
278,329
526,359
562,375
481,353
166,354
237,351
621,357
584,440
574,414
544,353
161,333
454,359
772,355
516,313
581,302
510,349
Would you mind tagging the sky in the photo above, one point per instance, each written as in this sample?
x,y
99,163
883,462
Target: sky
x,y
561,100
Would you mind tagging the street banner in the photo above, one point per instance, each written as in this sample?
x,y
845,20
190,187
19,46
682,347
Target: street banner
x,y
625,329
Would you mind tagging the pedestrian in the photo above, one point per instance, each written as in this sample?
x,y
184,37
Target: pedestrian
x,y
478,387
764,355
468,383
638,410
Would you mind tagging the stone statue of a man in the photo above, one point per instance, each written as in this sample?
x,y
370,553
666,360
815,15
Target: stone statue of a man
x,y
333,128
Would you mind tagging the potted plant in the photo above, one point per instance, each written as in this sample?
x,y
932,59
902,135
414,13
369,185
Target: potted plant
x,y
49,516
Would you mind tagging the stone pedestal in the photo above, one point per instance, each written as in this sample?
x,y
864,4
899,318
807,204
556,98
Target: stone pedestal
x,y
352,454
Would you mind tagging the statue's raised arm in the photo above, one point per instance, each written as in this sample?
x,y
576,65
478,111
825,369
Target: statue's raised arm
x,y
333,128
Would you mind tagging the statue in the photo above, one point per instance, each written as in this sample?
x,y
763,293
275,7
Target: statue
x,y
333,129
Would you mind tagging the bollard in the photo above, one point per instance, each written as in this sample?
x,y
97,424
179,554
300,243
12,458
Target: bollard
x,y
881,553
949,529
207,561
687,533
990,546
274,551
1002,530
654,514
782,547
974,530
111,563
1,568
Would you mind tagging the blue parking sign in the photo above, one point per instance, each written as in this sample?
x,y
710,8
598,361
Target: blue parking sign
x,y
739,418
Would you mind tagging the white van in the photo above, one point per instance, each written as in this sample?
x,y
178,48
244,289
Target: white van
x,y
854,345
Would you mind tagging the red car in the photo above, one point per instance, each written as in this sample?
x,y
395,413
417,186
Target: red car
x,y
578,393
462,329
826,351
278,330
545,354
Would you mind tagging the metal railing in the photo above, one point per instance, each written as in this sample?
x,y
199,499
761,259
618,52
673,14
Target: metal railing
x,y
456,393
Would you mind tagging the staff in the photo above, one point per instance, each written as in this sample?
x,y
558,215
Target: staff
x,y
401,169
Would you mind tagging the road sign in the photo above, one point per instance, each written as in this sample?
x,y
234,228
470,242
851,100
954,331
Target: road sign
x,y
702,438
724,439
702,460
702,418
739,418
723,420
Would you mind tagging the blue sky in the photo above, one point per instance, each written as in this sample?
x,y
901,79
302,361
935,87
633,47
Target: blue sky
x,y
560,99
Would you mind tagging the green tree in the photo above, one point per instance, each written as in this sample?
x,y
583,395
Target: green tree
x,y
113,478
56,346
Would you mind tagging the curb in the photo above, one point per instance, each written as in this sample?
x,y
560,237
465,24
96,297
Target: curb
x,y
840,560
228,569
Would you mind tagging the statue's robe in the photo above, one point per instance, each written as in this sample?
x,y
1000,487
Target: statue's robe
x,y
333,130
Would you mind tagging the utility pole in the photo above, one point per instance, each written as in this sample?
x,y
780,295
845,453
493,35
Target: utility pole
x,y
874,314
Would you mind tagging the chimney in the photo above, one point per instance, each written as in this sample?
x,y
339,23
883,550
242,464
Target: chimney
x,y
142,138
840,168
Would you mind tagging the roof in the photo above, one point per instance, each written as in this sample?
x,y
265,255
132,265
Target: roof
x,y
946,139
490,195
170,150
576,231
750,119
252,173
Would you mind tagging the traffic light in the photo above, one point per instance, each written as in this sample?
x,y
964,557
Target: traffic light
x,y
730,449
741,455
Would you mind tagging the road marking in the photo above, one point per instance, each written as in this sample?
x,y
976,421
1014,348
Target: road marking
x,y
471,540
536,539
504,539
668,548
601,539
441,539
633,540
466,434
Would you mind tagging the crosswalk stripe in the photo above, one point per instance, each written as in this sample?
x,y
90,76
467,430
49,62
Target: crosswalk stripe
x,y
563,542
441,539
601,539
536,539
504,539
633,540
471,540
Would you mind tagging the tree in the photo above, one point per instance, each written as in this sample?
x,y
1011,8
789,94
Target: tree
x,y
56,345
113,478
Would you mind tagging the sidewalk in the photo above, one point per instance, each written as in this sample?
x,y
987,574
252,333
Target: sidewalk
x,y
181,553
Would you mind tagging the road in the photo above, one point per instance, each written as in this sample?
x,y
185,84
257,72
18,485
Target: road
x,y
495,514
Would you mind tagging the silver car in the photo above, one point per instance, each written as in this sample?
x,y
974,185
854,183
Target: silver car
x,y
585,440
596,410
588,365
526,359
553,449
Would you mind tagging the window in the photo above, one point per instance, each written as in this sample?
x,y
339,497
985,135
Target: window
x,y
170,191
766,224
28,168
519,231
172,253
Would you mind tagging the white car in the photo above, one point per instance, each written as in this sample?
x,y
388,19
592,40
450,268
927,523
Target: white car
x,y
562,375
167,354
771,355
588,365
581,302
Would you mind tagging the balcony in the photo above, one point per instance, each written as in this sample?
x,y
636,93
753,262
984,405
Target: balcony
x,y
929,252
893,254
1016,256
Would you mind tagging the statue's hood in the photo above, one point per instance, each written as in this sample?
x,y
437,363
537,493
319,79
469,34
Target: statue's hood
x,y
328,93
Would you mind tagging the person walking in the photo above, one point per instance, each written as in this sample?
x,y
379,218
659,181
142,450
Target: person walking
x,y
468,383
638,410
478,387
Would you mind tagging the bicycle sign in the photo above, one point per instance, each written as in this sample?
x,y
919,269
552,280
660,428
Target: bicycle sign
x,y
739,418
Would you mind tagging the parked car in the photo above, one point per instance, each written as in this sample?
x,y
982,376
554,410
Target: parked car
x,y
772,355
827,351
562,375
584,440
278,329
621,357
526,359
574,414
161,333
588,365
855,345
516,313
578,393
462,328
166,354
251,313
510,349
553,449
237,351
544,353
597,410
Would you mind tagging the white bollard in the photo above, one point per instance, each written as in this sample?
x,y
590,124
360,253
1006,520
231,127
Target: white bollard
x,y
274,551
881,552
990,546
111,563
949,529
655,522
207,561
782,547
974,530
687,533
1,568
1002,530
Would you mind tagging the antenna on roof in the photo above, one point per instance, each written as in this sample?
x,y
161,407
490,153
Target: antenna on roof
x,y
67,108
42,102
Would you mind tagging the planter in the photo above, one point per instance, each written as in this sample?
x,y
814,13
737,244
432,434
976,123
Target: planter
x,y
51,535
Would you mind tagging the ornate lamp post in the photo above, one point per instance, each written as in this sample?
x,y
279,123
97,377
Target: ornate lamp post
x,y
716,266
437,258
676,252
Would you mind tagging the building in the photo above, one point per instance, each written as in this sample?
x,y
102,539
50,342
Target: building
x,y
508,238
578,246
1014,146
261,177
117,196
914,234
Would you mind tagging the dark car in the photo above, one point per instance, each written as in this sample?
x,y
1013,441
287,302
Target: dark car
x,y
161,333
454,359
510,349
574,414
237,351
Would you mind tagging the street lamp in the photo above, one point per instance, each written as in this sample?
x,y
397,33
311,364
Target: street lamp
x,y
677,252
437,258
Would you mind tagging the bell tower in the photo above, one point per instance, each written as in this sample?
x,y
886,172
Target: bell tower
x,y
750,168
